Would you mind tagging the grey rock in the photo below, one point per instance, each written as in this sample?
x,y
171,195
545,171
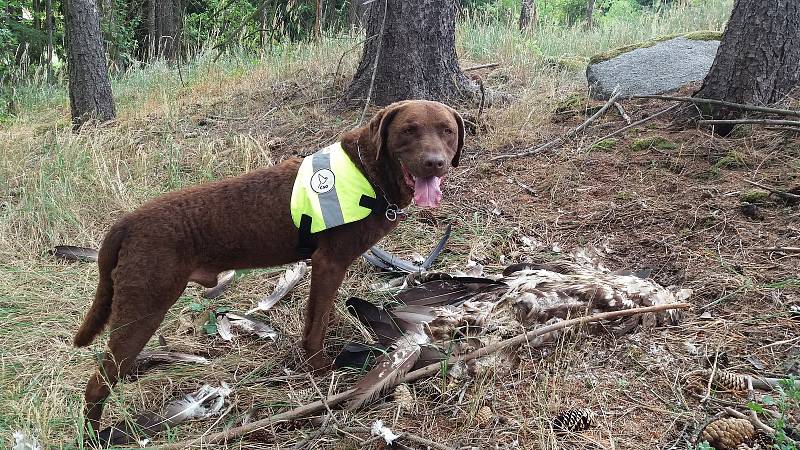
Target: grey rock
x,y
663,67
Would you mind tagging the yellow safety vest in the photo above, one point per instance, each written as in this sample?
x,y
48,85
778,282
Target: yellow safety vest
x,y
330,191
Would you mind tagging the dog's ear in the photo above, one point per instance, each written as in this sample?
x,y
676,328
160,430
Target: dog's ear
x,y
379,126
460,146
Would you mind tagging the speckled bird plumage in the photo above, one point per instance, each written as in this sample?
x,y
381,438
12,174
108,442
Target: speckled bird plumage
x,y
457,315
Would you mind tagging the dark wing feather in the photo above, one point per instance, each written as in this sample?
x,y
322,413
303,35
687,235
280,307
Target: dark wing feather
x,y
357,356
451,291
437,250
375,261
398,264
388,370
378,320
73,253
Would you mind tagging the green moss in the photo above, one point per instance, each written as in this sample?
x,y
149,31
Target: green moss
x,y
658,142
733,160
605,145
741,131
707,35
753,196
568,63
704,35
573,102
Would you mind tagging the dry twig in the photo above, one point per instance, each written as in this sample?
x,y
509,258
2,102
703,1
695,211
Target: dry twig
x,y
634,124
622,113
426,371
482,66
563,138
709,101
786,123
777,191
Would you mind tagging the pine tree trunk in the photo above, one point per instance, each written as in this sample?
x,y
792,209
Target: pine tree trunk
x,y
416,53
89,87
759,55
590,14
167,16
49,23
528,14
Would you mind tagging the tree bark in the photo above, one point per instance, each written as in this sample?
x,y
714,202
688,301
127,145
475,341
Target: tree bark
x,y
528,15
356,15
49,23
89,87
590,13
164,19
758,57
416,53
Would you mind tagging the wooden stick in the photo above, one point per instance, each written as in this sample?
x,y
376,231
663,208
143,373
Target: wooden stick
x,y
635,124
710,101
561,139
482,66
432,369
622,113
777,249
753,419
787,123
773,190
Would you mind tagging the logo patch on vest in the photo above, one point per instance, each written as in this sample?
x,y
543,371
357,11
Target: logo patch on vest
x,y
322,181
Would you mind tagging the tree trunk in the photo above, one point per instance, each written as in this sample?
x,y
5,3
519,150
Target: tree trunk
x,y
528,15
415,55
758,56
164,18
49,23
318,22
356,15
590,14
89,86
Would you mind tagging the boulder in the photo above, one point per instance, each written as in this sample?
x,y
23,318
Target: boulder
x,y
653,67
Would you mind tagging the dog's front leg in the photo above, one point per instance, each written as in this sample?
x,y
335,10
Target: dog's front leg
x,y
327,274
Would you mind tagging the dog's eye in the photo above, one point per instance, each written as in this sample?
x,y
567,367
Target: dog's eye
x,y
448,131
409,130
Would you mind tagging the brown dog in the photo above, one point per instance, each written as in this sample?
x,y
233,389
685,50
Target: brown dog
x,y
149,255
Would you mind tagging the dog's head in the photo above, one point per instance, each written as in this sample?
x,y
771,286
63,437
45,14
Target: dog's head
x,y
422,140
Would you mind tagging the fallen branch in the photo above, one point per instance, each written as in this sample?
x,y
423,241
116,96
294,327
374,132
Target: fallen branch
x,y
710,101
634,124
787,123
426,371
777,249
776,191
622,113
482,66
561,139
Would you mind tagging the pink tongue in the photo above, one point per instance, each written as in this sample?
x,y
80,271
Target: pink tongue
x,y
427,192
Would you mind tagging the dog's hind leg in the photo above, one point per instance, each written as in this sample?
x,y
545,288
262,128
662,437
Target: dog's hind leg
x,y
138,309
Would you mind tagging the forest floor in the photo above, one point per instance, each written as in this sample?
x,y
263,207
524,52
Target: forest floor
x,y
660,196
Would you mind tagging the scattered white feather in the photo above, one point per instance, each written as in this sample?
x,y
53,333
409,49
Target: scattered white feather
x,y
224,328
378,429
200,404
24,442
286,283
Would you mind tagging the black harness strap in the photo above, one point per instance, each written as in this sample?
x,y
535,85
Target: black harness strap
x,y
305,243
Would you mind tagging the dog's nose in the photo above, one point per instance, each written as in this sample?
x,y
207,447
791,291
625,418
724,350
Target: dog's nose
x,y
434,162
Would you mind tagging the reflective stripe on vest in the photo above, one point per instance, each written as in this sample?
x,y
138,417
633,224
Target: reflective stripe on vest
x,y
329,189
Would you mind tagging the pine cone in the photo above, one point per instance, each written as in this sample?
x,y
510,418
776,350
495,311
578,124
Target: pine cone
x,y
728,433
730,381
574,420
484,416
403,397
763,441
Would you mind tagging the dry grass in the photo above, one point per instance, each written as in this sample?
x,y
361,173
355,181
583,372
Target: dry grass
x,y
672,209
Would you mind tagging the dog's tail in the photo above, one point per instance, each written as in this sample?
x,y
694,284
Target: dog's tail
x,y
101,307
